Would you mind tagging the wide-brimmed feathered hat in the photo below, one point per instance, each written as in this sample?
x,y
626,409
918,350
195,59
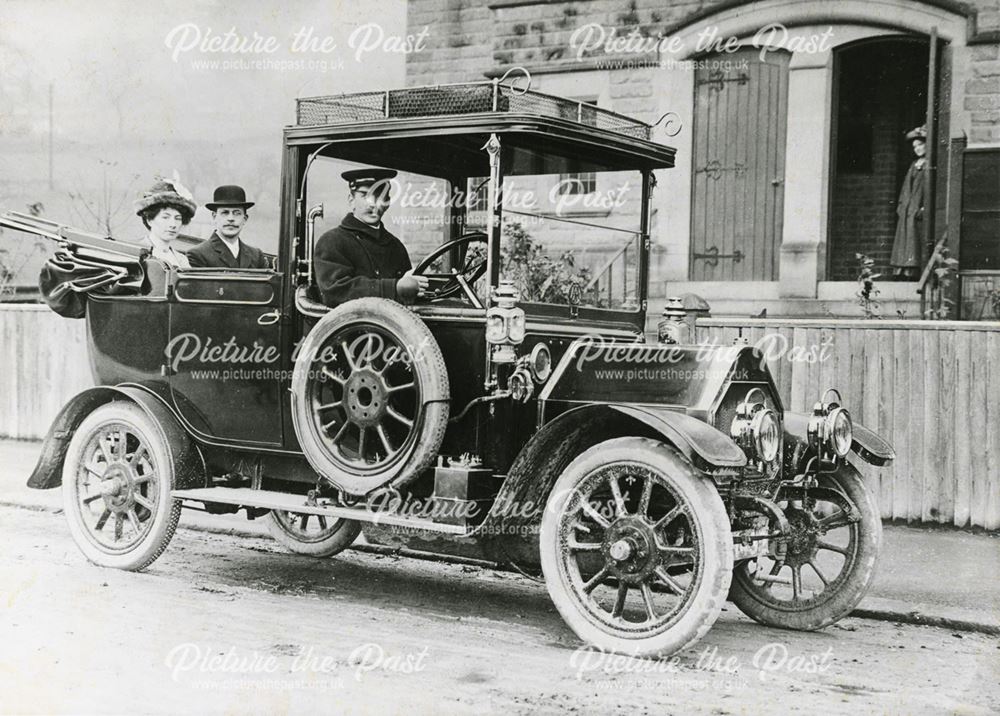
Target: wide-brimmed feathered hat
x,y
917,133
163,192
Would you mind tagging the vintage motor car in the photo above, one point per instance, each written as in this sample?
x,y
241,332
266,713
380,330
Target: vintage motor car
x,y
519,414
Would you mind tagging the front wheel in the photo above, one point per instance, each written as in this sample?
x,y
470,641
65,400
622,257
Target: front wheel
x,y
636,548
829,561
117,481
313,535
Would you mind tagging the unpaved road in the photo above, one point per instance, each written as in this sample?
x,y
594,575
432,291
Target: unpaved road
x,y
235,625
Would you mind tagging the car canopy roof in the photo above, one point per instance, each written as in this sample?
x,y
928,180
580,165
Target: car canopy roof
x,y
440,131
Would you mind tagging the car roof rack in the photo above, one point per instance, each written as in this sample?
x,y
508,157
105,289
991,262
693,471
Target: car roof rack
x,y
497,96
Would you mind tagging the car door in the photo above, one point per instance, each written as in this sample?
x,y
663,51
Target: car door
x,y
225,362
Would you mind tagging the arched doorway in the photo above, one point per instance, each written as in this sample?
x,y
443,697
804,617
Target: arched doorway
x,y
879,93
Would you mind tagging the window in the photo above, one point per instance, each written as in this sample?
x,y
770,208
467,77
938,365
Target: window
x,y
576,183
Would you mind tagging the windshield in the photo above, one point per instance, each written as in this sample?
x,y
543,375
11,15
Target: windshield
x,y
570,227
570,231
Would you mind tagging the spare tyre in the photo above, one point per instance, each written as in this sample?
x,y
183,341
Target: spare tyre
x,y
370,396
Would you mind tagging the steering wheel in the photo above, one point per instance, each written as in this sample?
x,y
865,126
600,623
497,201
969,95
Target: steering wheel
x,y
445,285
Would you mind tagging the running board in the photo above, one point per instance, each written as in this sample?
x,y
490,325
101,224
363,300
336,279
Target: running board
x,y
264,499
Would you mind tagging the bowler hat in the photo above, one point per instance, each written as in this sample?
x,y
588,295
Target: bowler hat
x,y
229,195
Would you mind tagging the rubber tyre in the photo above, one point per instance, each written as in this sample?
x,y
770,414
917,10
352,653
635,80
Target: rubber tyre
x,y
168,510
703,607
341,536
429,368
855,586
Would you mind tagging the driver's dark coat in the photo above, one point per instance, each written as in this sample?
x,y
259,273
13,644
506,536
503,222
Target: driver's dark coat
x,y
357,260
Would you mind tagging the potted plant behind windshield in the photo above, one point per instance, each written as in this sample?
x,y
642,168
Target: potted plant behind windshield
x,y
572,233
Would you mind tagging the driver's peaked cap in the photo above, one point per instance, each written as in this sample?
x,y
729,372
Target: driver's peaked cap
x,y
361,178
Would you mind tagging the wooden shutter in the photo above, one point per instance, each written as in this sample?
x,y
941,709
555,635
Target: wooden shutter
x,y
739,161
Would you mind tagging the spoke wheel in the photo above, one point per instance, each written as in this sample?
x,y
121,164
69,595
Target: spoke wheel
x,y
367,399
117,481
369,395
314,535
829,562
636,548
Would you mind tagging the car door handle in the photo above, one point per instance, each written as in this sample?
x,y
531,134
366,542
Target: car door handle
x,y
269,318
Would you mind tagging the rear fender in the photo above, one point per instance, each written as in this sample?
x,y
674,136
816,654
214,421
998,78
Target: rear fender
x,y
867,444
189,465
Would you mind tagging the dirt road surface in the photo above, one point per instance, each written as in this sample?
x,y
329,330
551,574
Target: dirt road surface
x,y
222,624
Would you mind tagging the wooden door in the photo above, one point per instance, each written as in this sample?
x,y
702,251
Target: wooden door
x,y
740,118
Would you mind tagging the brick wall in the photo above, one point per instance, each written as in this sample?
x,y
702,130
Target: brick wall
x,y
470,38
982,92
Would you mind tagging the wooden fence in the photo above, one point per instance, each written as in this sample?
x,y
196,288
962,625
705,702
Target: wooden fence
x,y
932,388
44,361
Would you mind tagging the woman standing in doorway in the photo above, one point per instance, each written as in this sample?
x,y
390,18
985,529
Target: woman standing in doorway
x,y
911,234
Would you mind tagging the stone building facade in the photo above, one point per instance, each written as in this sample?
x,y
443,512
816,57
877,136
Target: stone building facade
x,y
788,117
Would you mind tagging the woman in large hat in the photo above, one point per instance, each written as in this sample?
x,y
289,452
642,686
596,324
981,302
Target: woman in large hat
x,y
164,209
911,234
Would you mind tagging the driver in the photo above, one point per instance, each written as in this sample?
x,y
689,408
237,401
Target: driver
x,y
360,257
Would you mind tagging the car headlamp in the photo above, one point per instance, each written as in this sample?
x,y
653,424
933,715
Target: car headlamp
x,y
766,431
757,428
540,362
505,322
830,427
496,331
520,385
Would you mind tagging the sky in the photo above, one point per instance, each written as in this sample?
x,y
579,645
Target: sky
x,y
200,87
157,70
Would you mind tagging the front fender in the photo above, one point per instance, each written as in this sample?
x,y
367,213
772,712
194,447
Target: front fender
x,y
189,465
509,531
867,444
554,446
693,437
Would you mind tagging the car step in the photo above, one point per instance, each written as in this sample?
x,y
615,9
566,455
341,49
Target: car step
x,y
248,497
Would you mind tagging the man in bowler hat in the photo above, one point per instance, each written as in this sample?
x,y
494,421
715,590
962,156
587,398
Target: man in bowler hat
x,y
225,249
360,257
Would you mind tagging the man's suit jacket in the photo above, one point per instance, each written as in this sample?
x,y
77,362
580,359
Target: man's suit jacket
x,y
213,253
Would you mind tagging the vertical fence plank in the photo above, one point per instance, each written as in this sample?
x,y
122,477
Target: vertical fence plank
x,y
928,511
961,431
8,356
886,415
944,443
917,368
787,340
800,374
901,478
991,518
813,337
864,345
978,399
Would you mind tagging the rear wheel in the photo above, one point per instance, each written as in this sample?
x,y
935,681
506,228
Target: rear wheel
x,y
314,535
117,482
636,548
829,562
